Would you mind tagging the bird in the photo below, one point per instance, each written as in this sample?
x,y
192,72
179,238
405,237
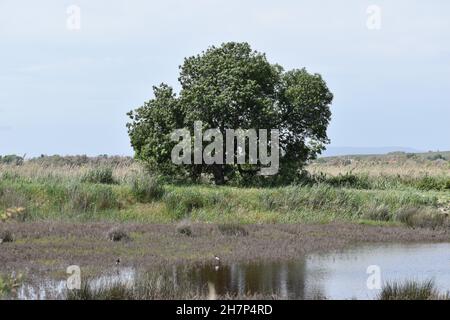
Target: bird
x,y
217,258
117,261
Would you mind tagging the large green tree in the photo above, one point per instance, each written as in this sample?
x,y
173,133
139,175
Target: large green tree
x,y
234,87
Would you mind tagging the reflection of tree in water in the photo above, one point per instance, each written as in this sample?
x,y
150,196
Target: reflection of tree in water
x,y
284,279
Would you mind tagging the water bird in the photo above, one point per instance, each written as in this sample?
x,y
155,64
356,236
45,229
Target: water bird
x,y
117,261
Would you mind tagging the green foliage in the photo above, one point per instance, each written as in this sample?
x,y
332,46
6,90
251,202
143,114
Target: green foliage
x,y
147,188
382,182
379,213
11,159
437,156
432,183
85,198
9,285
143,198
234,87
81,160
103,175
348,180
181,204
421,218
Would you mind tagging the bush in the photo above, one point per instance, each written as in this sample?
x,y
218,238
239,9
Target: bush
x,y
421,218
9,285
447,184
349,180
17,214
11,198
437,156
102,175
232,229
117,234
6,236
147,188
181,204
184,228
380,213
11,159
84,198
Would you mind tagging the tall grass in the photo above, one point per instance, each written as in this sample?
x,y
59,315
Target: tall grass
x,y
158,285
412,290
87,193
103,175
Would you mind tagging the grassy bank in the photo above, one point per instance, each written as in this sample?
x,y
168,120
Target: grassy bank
x,y
125,193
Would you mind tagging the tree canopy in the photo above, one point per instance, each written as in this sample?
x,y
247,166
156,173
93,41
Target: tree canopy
x,y
234,87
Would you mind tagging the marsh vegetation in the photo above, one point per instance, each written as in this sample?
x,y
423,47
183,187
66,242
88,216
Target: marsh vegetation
x,y
58,211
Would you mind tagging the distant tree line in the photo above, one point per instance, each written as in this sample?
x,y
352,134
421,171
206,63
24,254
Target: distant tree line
x,y
76,160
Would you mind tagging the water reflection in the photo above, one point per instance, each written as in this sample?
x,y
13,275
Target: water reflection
x,y
286,280
335,275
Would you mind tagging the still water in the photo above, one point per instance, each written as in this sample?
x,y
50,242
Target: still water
x,y
335,275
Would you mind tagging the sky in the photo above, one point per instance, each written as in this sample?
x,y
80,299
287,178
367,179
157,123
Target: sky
x,y
65,87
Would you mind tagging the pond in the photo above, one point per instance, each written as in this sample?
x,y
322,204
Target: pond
x,y
334,275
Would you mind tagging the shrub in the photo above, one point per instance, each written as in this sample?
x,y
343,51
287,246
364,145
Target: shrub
x,y
18,214
9,285
405,215
184,228
447,184
411,290
117,234
102,175
12,159
181,203
84,198
6,236
147,188
232,229
11,198
380,213
421,218
437,156
349,180
430,183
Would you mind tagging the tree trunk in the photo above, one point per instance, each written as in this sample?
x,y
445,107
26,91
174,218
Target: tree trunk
x,y
219,176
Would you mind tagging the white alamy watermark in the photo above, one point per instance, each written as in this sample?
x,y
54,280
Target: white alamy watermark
x,y
373,21
374,280
73,21
74,279
234,144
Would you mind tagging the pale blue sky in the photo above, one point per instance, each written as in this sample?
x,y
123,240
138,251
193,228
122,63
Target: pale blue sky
x,y
67,92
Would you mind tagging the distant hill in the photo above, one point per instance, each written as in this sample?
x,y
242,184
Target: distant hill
x,y
343,151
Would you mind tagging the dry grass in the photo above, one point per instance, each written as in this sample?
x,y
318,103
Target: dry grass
x,y
122,173
377,166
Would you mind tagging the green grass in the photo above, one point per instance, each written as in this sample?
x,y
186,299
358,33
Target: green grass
x,y
128,194
145,199
385,182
